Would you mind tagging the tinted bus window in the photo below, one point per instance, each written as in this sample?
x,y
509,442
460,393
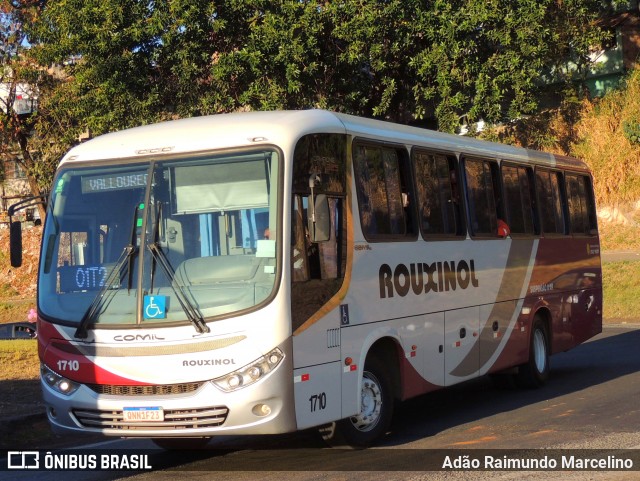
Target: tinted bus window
x,y
518,199
324,155
381,177
438,194
482,196
582,218
548,187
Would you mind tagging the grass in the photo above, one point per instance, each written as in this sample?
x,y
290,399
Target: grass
x,y
20,395
15,310
621,286
22,423
619,237
19,360
7,291
601,141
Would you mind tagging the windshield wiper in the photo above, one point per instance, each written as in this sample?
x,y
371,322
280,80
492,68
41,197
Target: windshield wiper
x,y
160,258
126,256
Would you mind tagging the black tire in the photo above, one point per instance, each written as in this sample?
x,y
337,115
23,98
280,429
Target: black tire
x,y
376,410
172,444
535,372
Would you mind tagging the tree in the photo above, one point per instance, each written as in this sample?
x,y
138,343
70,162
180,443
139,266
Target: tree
x,y
406,60
131,62
18,72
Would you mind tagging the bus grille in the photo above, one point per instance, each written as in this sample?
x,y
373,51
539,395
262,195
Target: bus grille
x,y
145,390
173,419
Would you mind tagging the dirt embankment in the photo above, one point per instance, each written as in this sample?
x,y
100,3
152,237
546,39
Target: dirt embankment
x,y
20,282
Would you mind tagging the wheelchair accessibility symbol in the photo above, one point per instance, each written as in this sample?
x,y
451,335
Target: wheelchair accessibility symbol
x,y
155,307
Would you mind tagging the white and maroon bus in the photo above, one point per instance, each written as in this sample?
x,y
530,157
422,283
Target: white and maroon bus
x,y
266,272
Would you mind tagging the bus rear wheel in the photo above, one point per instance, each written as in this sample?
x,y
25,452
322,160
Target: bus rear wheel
x,y
376,409
535,372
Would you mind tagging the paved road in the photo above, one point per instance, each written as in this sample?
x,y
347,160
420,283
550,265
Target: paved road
x,y
619,256
590,402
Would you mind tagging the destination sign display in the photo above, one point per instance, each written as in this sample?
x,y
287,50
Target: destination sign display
x,y
109,182
82,278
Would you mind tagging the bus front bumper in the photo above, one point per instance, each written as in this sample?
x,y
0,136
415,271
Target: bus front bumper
x,y
266,407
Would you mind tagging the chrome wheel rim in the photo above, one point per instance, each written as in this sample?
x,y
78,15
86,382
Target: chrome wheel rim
x,y
539,350
370,404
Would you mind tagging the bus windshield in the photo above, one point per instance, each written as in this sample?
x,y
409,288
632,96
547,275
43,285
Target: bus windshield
x,y
185,240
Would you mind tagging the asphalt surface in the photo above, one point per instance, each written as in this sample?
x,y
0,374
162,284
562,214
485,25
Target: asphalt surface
x,y
620,256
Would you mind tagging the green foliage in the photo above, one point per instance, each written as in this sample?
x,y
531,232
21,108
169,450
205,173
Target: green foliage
x,y
16,71
122,63
398,59
604,132
551,130
631,129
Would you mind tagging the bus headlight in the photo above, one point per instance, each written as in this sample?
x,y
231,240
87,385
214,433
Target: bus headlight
x,y
250,373
57,382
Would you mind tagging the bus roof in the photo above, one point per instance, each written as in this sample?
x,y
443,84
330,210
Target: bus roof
x,y
284,128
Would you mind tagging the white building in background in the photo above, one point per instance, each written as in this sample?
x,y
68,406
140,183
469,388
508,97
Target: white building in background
x,y
25,101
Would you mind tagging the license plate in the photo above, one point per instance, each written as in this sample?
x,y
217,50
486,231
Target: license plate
x,y
143,414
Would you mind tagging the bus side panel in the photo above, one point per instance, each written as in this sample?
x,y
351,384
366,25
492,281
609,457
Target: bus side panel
x,y
317,342
504,336
318,397
317,369
432,343
421,355
420,363
563,269
461,346
477,338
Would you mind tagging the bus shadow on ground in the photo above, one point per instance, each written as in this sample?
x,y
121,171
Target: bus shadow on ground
x,y
599,361
596,362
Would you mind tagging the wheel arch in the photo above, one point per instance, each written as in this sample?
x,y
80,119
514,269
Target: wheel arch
x,y
388,350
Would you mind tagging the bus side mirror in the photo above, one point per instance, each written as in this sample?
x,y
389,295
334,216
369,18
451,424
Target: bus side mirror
x,y
320,230
15,243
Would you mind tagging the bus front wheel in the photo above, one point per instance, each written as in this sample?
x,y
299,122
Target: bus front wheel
x,y
376,408
535,372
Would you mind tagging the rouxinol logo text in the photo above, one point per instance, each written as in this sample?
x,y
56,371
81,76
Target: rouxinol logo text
x,y
209,362
422,278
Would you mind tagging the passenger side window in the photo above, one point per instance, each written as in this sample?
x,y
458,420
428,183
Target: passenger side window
x,y
382,181
483,196
550,200
518,199
582,215
439,210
